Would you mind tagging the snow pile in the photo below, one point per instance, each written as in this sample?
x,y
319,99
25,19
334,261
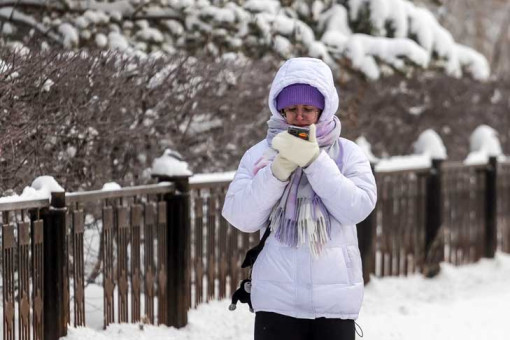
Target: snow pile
x,y
117,41
214,177
41,188
396,163
45,185
170,164
109,186
467,302
70,35
483,144
429,143
428,146
8,29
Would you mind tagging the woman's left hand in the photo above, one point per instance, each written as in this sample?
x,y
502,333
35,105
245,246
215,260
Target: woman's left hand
x,y
297,150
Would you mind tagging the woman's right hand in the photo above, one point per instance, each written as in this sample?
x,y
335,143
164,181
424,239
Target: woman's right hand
x,y
282,168
299,151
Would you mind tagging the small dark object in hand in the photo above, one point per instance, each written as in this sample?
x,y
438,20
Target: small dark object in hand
x,y
298,131
242,294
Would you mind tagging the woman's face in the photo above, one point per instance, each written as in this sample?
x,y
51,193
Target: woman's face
x,y
301,115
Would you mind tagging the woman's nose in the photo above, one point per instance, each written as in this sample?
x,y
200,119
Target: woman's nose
x,y
300,112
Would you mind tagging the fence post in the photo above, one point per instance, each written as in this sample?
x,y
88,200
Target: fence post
x,y
434,241
54,264
366,240
178,251
490,208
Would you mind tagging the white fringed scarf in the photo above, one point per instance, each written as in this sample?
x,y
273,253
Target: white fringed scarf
x,y
300,216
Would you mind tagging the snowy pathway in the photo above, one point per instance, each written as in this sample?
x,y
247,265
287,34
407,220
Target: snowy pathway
x,y
468,302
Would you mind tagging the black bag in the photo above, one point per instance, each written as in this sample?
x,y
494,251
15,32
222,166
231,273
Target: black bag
x,y
243,293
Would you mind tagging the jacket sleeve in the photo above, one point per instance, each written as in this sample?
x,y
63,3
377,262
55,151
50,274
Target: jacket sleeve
x,y
349,197
250,198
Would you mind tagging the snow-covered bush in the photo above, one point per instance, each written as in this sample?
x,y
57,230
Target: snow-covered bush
x,y
373,37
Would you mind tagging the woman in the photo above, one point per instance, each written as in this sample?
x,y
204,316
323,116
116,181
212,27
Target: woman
x,y
307,282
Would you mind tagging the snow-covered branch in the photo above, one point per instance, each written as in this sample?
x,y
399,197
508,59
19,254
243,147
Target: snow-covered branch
x,y
13,15
374,36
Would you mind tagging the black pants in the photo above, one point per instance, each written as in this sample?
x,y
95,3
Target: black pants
x,y
273,326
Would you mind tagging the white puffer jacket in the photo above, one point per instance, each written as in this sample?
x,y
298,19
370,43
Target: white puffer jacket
x,y
288,280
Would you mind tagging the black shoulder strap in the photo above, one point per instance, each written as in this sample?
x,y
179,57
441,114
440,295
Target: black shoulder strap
x,y
253,253
265,236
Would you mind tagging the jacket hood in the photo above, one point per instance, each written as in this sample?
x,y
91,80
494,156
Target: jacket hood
x,y
309,71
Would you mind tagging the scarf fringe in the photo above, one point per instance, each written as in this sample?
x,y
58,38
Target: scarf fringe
x,y
312,226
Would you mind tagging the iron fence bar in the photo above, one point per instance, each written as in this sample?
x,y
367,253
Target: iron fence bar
x,y
38,277
55,263
78,267
108,271
453,165
163,266
25,204
208,185
8,277
136,218
122,263
491,241
149,267
421,170
24,280
152,189
178,252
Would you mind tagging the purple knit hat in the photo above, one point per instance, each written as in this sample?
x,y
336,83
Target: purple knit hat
x,y
299,94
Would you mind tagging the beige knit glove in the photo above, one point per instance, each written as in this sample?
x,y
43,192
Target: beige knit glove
x,y
282,168
296,150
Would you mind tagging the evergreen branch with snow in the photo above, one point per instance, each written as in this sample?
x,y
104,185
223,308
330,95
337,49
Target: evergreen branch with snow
x,y
10,14
377,37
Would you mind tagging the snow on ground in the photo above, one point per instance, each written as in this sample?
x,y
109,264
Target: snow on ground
x,y
466,302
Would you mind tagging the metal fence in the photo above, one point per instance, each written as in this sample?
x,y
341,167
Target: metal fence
x,y
43,276
448,212
133,243
399,222
22,269
217,248
463,197
165,248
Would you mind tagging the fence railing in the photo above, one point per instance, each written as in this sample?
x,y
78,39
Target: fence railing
x,y
23,269
165,248
398,223
423,216
133,243
43,259
217,248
